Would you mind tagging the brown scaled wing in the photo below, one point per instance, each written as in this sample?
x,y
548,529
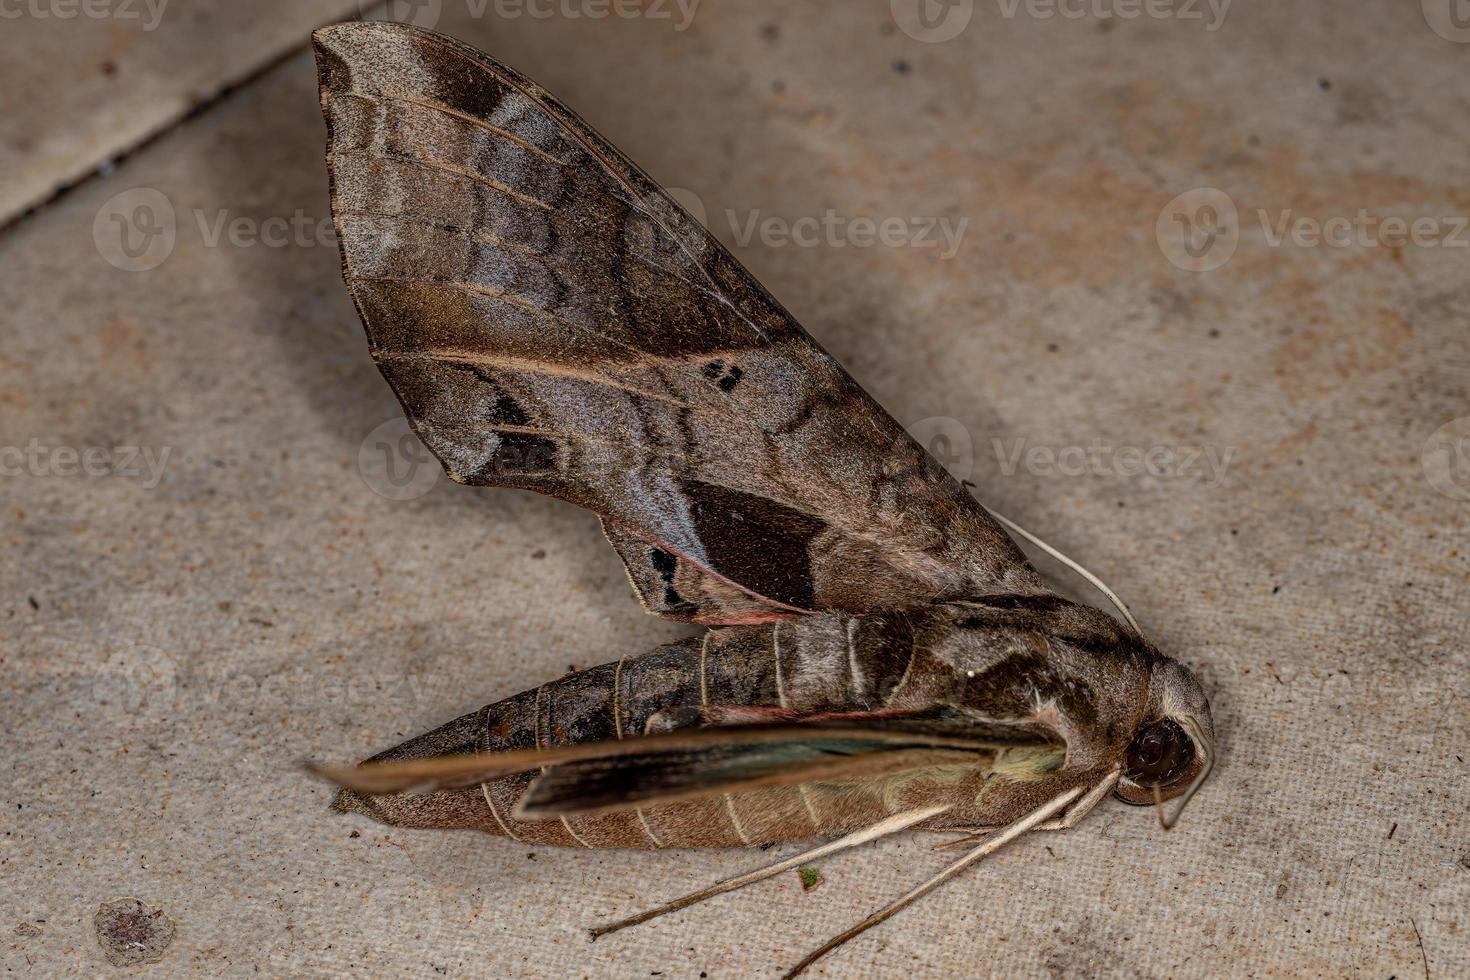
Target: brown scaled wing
x,y
552,320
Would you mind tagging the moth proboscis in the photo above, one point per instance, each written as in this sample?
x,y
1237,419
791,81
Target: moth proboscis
x,y
878,655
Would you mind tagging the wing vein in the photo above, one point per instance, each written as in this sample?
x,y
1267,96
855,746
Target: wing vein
x,y
444,167
607,165
475,121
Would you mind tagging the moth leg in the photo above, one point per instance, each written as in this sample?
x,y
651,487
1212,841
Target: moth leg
x,y
1084,806
967,835
883,828
1005,836
1066,821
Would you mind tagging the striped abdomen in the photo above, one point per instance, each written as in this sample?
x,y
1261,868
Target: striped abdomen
x,y
817,664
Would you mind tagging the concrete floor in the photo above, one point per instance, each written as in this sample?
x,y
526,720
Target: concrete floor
x,y
185,622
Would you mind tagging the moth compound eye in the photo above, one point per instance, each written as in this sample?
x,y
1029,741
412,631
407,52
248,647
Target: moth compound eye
x,y
1159,754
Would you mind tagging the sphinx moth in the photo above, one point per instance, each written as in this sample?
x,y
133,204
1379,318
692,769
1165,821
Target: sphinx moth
x,y
877,655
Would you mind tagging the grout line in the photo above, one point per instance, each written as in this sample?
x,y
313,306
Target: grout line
x,y
96,171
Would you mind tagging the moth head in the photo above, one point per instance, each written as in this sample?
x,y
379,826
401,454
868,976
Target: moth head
x,y
1172,749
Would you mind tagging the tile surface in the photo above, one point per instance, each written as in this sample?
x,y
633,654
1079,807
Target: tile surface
x,y
88,80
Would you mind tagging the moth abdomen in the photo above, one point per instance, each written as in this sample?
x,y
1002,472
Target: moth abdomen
x,y
784,669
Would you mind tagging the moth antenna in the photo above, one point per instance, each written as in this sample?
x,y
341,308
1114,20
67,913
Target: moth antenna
x,y
1005,836
1168,822
891,825
1075,566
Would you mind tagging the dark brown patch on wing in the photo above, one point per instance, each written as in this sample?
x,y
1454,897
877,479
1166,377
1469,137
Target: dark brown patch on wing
x,y
741,532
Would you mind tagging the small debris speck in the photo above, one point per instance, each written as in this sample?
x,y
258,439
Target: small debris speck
x,y
810,878
902,67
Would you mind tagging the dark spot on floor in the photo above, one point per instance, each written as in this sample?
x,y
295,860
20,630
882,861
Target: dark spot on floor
x,y
902,67
731,379
131,933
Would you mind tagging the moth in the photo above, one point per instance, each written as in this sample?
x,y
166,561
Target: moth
x,y
878,654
